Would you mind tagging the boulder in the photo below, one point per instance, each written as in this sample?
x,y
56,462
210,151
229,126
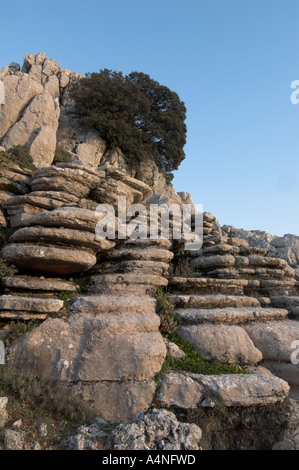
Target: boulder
x,y
179,391
3,412
48,259
274,339
157,430
221,343
36,128
19,91
244,390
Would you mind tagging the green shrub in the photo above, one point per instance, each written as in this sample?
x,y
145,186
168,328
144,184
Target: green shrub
x,y
18,155
62,155
6,269
50,398
19,329
165,310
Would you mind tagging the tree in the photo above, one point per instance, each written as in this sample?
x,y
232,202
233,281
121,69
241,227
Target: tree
x,y
135,113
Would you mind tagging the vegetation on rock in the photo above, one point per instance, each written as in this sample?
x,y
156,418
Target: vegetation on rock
x,y
62,155
144,119
18,155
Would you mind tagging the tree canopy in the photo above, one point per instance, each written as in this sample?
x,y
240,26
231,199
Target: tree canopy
x,y
144,119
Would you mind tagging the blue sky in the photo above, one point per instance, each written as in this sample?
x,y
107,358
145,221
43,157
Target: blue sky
x,y
230,61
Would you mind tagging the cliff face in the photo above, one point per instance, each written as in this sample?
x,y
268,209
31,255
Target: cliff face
x,y
38,112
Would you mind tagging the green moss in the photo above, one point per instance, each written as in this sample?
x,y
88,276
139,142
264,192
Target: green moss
x,y
165,310
194,363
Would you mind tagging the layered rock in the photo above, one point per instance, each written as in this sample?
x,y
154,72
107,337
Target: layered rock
x,y
109,349
235,303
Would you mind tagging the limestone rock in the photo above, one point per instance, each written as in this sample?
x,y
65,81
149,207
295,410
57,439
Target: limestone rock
x,y
73,218
221,343
14,440
157,430
37,128
274,339
244,390
19,91
180,391
48,259
62,237
37,283
3,412
34,304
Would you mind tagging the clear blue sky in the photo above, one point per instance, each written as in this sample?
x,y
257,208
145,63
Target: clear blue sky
x,y
230,61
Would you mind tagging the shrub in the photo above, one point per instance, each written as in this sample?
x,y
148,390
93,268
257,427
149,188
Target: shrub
x,y
6,269
165,310
19,329
62,155
42,397
135,113
18,155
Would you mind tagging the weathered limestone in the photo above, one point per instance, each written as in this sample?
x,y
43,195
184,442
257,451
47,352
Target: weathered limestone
x,y
3,411
157,430
231,316
221,343
38,284
177,390
36,128
274,339
34,304
48,259
180,391
244,390
76,181
19,91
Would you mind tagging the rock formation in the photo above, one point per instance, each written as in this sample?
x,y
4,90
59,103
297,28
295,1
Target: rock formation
x,y
236,298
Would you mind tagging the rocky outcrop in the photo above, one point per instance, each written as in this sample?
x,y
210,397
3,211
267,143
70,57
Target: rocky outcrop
x,y
157,430
39,112
286,247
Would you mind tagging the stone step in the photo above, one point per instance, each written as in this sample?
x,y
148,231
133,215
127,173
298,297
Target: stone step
x,y
201,285
62,237
279,287
238,272
48,259
244,390
30,304
225,344
192,390
38,284
213,301
158,268
290,303
231,316
286,371
127,284
21,316
140,254
110,304
274,339
148,243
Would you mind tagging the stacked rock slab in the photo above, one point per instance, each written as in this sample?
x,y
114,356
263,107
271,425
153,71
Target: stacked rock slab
x,y
238,307
13,180
110,348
